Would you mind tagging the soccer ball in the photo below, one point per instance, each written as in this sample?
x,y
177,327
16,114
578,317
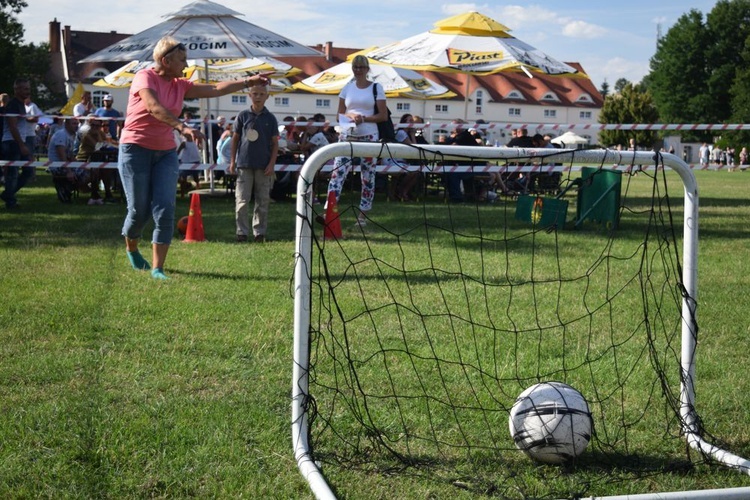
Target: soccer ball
x,y
551,422
182,226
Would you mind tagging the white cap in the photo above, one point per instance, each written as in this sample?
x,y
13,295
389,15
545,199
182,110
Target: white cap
x,y
108,97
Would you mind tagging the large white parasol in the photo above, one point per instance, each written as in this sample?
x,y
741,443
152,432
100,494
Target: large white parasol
x,y
397,82
210,70
469,43
209,31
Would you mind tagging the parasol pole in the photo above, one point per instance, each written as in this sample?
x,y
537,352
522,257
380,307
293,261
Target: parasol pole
x,y
466,98
208,151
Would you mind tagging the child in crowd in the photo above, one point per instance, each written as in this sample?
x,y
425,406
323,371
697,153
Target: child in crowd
x,y
255,146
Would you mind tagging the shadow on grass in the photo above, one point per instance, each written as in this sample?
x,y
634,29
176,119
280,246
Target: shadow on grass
x,y
255,276
489,474
43,220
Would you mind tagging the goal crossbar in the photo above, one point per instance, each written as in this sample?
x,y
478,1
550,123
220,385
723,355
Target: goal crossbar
x,y
435,153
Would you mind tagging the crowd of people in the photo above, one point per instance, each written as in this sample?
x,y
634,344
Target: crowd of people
x,y
724,157
156,136
143,145
82,138
240,144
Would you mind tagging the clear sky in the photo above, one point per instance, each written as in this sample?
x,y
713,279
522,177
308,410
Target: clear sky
x,y
611,40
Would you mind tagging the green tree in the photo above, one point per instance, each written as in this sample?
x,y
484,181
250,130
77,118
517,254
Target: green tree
x,y
604,90
728,24
697,71
620,84
33,62
740,97
11,36
632,104
740,90
679,72
17,59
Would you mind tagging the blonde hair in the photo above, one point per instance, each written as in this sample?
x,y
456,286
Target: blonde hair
x,y
360,60
165,47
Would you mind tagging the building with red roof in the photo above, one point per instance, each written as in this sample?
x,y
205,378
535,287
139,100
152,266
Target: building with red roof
x,y
504,98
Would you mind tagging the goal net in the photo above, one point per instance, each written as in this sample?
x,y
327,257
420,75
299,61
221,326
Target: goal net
x,y
415,333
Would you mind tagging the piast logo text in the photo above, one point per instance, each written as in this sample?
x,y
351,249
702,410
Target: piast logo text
x,y
464,57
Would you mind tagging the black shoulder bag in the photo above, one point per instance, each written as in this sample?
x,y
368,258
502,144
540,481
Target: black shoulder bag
x,y
386,130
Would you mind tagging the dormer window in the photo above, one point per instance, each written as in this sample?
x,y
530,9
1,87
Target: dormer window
x,y
514,94
99,73
550,96
584,98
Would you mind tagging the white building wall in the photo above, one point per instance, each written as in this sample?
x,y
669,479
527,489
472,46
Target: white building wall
x,y
433,111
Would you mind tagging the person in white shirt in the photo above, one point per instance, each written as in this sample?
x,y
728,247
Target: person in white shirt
x,y
60,149
189,152
85,107
704,153
314,138
61,145
32,117
359,122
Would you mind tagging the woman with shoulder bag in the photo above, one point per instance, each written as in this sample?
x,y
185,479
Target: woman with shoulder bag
x,y
359,123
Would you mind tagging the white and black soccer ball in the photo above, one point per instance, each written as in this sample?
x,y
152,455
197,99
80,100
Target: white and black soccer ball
x,y
551,422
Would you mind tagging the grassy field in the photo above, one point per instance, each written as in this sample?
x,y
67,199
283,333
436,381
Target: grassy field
x,y
114,385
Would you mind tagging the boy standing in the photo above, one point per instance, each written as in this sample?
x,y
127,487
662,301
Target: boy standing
x,y
255,145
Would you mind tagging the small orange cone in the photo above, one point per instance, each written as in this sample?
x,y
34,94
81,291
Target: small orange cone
x,y
333,222
194,231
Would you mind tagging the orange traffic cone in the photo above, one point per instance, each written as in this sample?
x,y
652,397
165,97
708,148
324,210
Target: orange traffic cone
x,y
194,231
333,222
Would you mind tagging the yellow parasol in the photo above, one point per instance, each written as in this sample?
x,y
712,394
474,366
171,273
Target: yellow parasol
x,y
67,110
218,70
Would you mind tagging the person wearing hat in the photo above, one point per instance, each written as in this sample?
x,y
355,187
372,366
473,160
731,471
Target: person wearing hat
x,y
112,128
107,111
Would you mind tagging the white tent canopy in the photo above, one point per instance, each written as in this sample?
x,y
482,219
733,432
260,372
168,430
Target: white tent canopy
x,y
209,31
211,70
570,138
469,43
397,82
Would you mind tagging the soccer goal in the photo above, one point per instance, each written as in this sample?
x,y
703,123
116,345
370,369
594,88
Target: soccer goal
x,y
415,333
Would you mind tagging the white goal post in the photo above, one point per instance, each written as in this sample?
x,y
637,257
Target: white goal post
x,y
607,158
